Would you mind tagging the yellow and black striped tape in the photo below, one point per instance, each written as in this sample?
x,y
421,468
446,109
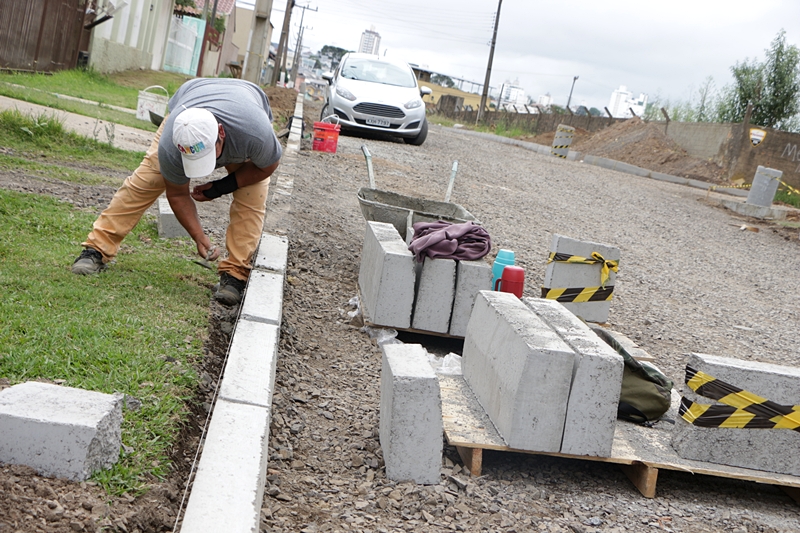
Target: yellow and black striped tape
x,y
742,186
577,295
741,409
607,265
562,146
558,155
790,189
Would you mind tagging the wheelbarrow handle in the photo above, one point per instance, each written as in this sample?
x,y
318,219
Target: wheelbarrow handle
x,y
368,157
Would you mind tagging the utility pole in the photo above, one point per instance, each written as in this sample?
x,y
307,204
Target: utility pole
x,y
299,37
205,35
489,65
297,54
280,56
570,91
257,43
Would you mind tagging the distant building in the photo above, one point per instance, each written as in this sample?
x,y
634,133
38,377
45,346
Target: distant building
x,y
622,102
512,94
545,100
370,42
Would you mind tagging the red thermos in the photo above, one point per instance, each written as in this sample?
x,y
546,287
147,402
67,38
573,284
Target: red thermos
x,y
512,280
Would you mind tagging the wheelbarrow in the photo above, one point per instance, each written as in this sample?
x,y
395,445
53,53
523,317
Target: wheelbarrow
x,y
404,211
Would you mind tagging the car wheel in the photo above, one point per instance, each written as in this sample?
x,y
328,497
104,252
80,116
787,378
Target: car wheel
x,y
421,136
325,112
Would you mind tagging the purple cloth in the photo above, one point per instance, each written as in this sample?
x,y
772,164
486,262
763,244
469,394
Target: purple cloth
x,y
445,240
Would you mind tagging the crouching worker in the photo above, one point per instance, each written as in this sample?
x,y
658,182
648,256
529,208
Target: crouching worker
x,y
211,123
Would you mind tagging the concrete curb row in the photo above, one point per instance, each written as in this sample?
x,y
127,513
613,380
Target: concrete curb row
x,y
610,164
229,485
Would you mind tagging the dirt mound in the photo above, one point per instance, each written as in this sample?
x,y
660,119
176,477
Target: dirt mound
x,y
645,145
283,102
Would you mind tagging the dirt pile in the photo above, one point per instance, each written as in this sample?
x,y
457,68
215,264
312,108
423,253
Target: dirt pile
x,y
282,101
645,145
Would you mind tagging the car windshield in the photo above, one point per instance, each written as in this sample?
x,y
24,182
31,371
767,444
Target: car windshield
x,y
378,72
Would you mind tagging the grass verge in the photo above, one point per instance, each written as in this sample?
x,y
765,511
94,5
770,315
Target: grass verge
x,y
45,138
119,89
136,329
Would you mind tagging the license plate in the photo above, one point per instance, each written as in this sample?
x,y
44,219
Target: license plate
x,y
378,122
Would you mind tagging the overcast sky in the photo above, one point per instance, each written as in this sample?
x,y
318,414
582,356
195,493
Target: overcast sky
x,y
664,48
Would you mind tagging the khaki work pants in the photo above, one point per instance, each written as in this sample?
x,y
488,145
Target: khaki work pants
x,y
142,188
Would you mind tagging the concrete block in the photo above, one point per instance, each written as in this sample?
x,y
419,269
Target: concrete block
x,y
775,212
697,184
272,254
596,382
263,301
249,375
575,275
765,185
471,277
436,287
660,176
590,159
772,450
168,225
59,431
386,277
630,169
229,486
410,415
520,371
562,140
603,162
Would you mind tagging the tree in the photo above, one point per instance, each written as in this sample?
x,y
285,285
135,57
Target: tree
x,y
444,81
773,87
593,111
335,54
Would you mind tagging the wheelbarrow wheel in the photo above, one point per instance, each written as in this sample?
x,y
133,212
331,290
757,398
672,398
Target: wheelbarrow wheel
x,y
421,136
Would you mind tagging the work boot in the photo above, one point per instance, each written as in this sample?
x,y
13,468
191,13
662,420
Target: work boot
x,y
89,262
230,290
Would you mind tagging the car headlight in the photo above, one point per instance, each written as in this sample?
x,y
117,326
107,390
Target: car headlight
x,y
344,93
413,104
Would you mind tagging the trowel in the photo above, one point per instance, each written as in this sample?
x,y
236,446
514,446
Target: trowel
x,y
206,263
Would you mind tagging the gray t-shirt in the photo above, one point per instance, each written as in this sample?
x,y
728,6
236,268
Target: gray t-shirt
x,y
243,110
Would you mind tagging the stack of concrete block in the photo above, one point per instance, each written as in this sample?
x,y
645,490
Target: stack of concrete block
x,y
547,382
410,415
60,431
520,371
578,276
436,295
386,277
772,450
596,382
168,225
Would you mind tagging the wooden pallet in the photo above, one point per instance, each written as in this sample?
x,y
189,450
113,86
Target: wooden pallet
x,y
639,451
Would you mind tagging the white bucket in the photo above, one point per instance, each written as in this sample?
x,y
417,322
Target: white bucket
x,y
156,103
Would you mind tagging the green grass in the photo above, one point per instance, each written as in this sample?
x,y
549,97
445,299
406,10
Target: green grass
x,y
788,198
44,138
119,89
136,329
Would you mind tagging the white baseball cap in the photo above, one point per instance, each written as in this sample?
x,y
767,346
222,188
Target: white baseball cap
x,y
194,133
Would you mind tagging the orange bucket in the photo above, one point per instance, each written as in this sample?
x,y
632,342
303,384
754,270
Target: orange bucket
x,y
326,137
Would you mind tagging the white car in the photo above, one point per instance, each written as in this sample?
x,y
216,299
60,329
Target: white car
x,y
368,92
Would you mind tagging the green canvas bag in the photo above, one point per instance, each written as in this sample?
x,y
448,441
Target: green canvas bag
x,y
646,392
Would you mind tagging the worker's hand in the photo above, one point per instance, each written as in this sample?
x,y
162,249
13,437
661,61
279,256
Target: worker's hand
x,y
206,250
197,192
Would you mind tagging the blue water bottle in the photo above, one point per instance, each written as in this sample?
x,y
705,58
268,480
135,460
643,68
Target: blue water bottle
x,y
504,258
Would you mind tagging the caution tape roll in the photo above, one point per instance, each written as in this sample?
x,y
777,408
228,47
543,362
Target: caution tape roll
x,y
740,409
742,186
607,265
579,294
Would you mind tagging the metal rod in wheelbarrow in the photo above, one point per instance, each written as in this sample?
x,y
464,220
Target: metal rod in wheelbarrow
x,y
452,180
368,157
